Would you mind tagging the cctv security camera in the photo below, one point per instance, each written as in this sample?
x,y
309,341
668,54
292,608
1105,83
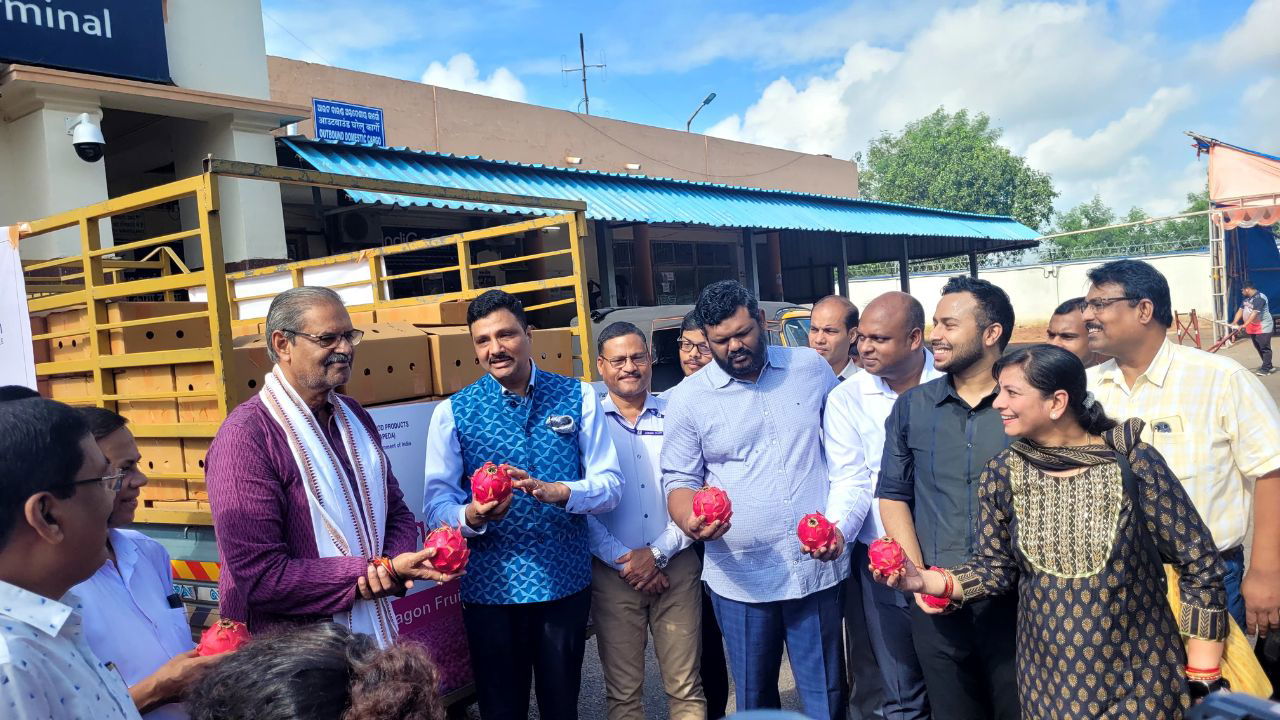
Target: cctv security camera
x,y
86,137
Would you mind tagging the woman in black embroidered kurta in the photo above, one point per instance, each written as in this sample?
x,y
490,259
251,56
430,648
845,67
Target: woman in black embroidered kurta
x,y
1096,637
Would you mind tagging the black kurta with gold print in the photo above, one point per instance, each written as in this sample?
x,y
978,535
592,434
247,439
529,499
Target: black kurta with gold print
x,y
1096,637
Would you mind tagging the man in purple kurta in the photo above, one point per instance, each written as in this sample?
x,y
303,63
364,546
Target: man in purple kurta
x,y
293,549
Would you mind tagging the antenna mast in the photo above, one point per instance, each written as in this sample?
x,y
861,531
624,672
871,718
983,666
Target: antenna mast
x,y
582,68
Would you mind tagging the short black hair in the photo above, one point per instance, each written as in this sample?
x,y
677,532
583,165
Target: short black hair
x,y
993,304
492,301
617,330
851,310
1075,304
690,322
1140,280
101,421
16,392
721,299
39,452
1246,286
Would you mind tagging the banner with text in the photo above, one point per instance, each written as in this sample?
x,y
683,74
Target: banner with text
x,y
348,123
17,360
106,37
430,614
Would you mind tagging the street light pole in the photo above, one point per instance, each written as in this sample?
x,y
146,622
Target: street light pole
x,y
705,102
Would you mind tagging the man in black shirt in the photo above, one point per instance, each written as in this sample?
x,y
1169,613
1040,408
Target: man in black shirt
x,y
938,439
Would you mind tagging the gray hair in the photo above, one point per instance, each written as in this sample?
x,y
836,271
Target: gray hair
x,y
288,307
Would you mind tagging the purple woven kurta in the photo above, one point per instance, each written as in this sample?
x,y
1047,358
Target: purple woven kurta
x,y
271,572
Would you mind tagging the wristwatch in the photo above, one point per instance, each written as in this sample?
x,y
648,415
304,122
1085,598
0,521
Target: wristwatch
x,y
659,558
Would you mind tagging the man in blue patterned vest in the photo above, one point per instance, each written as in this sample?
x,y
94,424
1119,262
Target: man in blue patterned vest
x,y
526,594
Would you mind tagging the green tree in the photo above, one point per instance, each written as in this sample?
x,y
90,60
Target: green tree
x,y
1158,236
954,162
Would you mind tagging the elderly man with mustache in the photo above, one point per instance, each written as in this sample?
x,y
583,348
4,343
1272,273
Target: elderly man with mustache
x,y
310,521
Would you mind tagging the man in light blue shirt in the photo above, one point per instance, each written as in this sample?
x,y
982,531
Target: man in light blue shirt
x,y
643,580
750,423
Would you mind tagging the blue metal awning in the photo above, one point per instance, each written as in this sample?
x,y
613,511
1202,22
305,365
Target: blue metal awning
x,y
617,197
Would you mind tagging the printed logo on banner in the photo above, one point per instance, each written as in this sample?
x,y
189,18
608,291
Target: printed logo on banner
x,y
347,122
107,37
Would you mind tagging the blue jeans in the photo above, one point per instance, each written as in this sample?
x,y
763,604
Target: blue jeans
x,y
1234,560
754,634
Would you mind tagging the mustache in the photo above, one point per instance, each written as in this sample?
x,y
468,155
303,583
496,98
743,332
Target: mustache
x,y
498,357
1093,326
338,358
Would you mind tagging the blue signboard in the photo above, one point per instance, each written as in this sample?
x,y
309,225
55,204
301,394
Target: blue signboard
x,y
345,122
124,38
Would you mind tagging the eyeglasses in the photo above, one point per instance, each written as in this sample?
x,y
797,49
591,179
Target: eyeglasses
x,y
112,482
701,348
1100,304
328,341
620,362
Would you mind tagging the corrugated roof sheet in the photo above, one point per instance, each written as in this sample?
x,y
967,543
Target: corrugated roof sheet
x,y
618,197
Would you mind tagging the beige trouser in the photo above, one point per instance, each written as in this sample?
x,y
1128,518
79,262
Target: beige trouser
x,y
623,616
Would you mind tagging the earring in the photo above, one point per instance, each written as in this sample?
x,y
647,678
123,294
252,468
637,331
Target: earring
x,y
1053,416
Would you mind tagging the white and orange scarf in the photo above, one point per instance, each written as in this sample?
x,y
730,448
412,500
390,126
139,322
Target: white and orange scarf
x,y
348,518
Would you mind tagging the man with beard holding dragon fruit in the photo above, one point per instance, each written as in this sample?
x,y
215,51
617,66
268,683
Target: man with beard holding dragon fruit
x,y
750,424
526,594
310,521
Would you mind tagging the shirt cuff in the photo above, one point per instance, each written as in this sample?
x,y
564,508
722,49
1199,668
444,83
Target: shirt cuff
x,y
891,493
676,483
584,498
467,530
672,541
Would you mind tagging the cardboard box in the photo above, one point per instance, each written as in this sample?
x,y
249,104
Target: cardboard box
x,y
454,364
173,335
453,312
72,347
553,350
162,456
39,348
193,454
393,362
69,388
249,364
141,381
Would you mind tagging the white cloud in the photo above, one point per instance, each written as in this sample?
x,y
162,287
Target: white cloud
x,y
1065,154
1252,41
461,73
1021,64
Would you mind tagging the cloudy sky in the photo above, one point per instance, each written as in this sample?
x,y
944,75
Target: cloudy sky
x,y
1096,93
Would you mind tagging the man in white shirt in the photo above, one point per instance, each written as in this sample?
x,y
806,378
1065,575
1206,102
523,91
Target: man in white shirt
x,y
642,579
833,326
132,617
891,344
1211,419
56,492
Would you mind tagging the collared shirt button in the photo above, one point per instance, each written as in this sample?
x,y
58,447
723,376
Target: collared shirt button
x,y
646,516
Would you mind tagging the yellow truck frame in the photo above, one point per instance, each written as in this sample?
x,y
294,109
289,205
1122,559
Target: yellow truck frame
x,y
93,278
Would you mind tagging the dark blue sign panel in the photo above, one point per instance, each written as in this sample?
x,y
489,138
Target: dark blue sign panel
x,y
345,122
124,38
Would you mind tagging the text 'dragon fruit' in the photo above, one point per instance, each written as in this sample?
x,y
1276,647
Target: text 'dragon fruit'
x,y
451,549
886,556
815,531
712,504
490,483
223,636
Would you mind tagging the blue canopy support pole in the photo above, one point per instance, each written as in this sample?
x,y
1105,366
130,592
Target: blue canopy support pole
x,y
608,270
904,270
752,279
842,272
